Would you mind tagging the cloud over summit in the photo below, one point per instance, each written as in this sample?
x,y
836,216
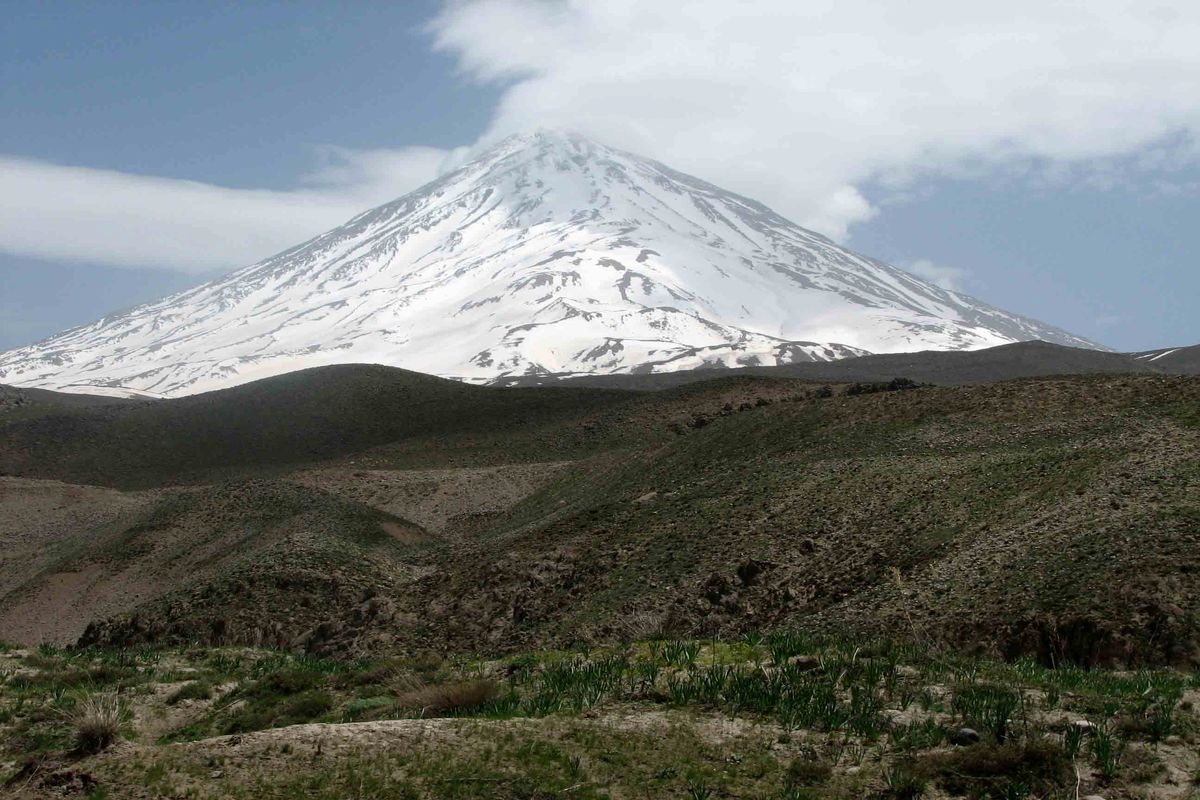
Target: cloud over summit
x,y
798,104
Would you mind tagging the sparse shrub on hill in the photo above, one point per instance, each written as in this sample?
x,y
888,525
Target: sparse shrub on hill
x,y
448,698
1039,767
193,690
275,712
808,772
894,385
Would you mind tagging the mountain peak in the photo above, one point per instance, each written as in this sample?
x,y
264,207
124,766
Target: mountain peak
x,y
548,139
549,253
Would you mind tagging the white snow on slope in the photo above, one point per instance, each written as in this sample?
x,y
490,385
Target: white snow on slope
x,y
1155,355
548,254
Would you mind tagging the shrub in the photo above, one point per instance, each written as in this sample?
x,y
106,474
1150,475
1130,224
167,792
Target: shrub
x,y
448,698
993,770
74,677
195,690
97,722
894,385
262,714
305,707
808,772
289,681
367,707
864,388
901,783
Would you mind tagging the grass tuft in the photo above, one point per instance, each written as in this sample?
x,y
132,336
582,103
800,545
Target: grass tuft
x,y
97,722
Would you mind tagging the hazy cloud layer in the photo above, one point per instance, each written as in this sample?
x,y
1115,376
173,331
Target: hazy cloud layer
x,y
798,104
102,216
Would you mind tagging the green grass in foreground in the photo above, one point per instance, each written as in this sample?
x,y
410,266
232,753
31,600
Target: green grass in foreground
x,y
805,718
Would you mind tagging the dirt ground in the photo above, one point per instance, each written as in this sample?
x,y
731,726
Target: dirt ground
x,y
52,588
435,498
43,523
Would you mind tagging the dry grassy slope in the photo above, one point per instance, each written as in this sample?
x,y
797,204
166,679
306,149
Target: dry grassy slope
x,y
37,515
1050,516
251,561
359,417
42,525
212,606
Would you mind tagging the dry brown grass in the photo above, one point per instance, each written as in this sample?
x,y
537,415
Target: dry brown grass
x,y
642,625
97,721
447,698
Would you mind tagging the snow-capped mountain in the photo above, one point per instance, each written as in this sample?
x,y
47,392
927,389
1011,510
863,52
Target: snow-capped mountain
x,y
547,254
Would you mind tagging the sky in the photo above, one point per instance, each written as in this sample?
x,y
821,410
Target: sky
x,y
1042,156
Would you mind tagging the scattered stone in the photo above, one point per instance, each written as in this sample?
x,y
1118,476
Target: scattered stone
x,y
805,663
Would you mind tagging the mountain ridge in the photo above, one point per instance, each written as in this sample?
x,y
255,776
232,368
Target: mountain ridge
x,y
1033,359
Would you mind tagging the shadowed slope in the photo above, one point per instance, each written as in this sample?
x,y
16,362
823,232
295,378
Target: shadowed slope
x,y
301,417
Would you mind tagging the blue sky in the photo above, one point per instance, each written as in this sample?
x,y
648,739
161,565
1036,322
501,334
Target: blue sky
x,y
1049,169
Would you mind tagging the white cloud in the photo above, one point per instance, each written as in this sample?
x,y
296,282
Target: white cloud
x,y
372,176
101,216
797,102
949,278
